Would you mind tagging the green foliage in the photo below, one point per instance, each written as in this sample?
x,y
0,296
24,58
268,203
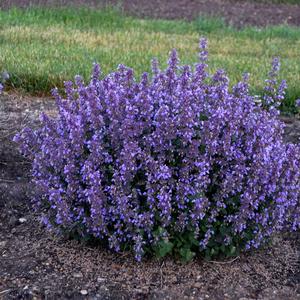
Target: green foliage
x,y
53,45
211,24
185,246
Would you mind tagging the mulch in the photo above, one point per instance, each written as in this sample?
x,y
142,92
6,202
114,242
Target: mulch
x,y
239,13
37,264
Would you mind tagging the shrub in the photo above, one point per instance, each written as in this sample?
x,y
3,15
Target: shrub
x,y
176,163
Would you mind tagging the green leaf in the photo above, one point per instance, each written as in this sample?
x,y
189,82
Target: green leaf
x,y
202,149
223,248
163,248
186,254
232,251
193,241
203,117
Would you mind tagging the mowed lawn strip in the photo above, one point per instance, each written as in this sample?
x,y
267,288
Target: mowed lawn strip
x,y
40,48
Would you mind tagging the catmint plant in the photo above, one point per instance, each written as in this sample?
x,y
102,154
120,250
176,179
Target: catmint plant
x,y
175,162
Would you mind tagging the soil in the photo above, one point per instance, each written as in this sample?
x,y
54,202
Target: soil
x,y
239,13
37,264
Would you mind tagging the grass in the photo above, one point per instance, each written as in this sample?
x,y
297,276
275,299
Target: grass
x,y
41,48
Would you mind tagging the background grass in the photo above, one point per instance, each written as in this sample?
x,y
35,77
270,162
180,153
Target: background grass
x,y
40,48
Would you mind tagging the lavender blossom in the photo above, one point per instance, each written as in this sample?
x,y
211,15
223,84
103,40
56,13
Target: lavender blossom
x,y
179,152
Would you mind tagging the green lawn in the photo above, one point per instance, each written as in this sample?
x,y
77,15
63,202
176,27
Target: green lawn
x,y
40,48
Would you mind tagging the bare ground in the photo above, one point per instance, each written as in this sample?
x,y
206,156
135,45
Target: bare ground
x,y
236,12
35,264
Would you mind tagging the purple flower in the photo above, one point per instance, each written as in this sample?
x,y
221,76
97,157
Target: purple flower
x,y
178,151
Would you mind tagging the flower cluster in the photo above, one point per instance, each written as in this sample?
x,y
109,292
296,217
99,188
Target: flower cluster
x,y
177,160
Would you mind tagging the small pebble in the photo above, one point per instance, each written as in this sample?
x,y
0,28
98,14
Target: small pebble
x,y
22,220
2,244
83,292
77,275
197,285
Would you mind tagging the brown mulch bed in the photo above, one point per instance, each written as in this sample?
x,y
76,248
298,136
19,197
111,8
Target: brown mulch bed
x,y
238,13
35,264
